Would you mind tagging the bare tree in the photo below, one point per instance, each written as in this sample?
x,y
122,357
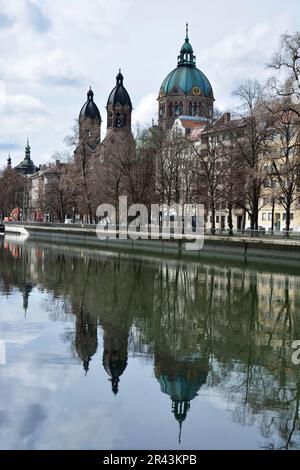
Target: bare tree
x,y
212,166
287,61
13,191
57,197
285,161
250,137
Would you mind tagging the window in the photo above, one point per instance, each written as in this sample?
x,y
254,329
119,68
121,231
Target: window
x,y
265,201
291,216
217,219
264,216
270,216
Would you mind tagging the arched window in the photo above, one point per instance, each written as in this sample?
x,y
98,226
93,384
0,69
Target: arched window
x,y
118,121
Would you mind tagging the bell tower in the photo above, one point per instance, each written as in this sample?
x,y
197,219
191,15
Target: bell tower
x,y
119,107
90,121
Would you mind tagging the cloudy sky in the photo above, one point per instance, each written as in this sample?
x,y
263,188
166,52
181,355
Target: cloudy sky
x,y
53,50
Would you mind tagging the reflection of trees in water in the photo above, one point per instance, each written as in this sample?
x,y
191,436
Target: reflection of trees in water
x,y
225,326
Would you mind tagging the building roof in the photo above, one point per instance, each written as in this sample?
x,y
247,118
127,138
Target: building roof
x,y
26,167
90,109
119,95
186,76
192,122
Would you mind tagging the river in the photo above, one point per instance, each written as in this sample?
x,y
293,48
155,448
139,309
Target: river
x,y
103,350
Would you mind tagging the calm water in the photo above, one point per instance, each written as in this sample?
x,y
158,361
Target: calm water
x,y
100,350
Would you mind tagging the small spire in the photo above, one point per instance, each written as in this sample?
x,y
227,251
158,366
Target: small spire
x,y
187,32
27,150
9,161
180,430
90,94
119,78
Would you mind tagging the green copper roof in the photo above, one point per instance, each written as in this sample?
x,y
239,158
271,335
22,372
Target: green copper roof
x,y
179,388
187,77
27,166
187,47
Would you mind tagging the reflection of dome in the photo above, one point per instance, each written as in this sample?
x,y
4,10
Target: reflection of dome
x,y
179,387
115,355
86,341
115,368
90,109
181,380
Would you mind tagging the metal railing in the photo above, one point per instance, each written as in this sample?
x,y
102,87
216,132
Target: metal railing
x,y
248,233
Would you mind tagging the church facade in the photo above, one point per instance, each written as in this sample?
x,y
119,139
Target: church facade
x,y
185,103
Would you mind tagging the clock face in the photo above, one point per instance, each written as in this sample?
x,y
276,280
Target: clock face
x,y
196,91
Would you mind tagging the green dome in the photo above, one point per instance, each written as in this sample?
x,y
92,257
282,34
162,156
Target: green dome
x,y
179,387
186,77
186,48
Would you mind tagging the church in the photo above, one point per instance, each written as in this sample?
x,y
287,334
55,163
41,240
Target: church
x,y
185,103
118,124
185,92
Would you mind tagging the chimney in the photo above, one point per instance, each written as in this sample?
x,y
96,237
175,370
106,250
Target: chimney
x,y
226,117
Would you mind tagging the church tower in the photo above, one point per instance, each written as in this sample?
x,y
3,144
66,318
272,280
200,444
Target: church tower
x,y
9,162
185,91
119,107
90,122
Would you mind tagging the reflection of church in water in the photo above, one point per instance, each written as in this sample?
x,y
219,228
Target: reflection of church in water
x,y
181,379
115,346
180,367
131,291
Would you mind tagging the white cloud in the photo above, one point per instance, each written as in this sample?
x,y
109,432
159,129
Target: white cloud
x,y
146,110
242,55
52,51
56,68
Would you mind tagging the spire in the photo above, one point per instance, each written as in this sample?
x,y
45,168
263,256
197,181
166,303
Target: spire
x,y
115,385
186,56
119,78
9,161
90,94
86,365
27,150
